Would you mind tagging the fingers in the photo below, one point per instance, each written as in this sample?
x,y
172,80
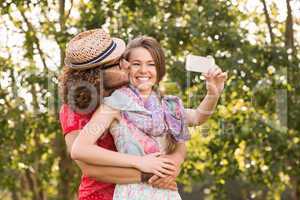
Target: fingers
x,y
169,186
222,75
168,183
213,72
153,179
158,165
163,181
169,167
168,180
163,169
168,161
173,186
157,154
166,171
216,72
158,173
206,76
157,182
210,72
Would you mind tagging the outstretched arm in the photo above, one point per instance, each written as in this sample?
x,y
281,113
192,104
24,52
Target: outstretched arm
x,y
215,80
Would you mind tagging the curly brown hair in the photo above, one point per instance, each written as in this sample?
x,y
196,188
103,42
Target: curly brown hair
x,y
81,89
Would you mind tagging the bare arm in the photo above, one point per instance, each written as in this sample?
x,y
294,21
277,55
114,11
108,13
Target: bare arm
x,y
105,174
215,80
86,150
200,115
116,175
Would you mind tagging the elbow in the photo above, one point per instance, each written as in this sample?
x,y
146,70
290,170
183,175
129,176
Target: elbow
x,y
200,122
75,152
202,119
197,122
92,171
85,170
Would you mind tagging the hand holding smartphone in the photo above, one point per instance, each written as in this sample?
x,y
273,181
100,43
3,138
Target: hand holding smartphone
x,y
199,63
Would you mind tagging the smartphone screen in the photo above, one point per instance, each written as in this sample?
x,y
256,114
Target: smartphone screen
x,y
199,63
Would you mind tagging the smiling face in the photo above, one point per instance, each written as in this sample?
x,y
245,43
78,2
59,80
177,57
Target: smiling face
x,y
142,70
146,62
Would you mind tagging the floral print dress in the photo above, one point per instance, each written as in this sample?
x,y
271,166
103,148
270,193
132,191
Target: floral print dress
x,y
142,125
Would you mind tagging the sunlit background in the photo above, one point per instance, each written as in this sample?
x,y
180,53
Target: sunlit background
x,y
249,149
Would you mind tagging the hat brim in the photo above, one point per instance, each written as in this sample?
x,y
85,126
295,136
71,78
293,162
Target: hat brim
x,y
115,54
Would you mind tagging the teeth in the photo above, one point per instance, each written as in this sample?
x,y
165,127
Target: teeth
x,y
143,78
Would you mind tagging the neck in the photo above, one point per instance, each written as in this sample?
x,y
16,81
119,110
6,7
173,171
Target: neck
x,y
145,93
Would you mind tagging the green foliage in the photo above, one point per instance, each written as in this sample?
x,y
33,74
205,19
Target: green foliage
x,y
249,148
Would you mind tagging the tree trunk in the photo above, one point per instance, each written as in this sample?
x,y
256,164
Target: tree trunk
x,y
62,21
14,194
268,21
32,185
296,191
66,167
289,33
292,78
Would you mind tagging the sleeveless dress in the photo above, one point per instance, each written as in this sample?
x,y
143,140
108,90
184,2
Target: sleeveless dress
x,y
89,188
142,126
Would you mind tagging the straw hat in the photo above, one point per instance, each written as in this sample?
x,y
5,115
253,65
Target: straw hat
x,y
92,48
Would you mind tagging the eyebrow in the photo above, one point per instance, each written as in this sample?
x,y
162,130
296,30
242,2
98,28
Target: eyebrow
x,y
140,61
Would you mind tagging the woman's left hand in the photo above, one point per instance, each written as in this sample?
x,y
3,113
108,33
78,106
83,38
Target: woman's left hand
x,y
215,81
168,182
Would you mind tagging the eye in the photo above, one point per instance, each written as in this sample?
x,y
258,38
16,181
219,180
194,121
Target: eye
x,y
151,64
135,64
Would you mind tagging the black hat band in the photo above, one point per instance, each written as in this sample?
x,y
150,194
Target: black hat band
x,y
101,56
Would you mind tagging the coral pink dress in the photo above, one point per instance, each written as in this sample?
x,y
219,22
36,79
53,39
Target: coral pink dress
x,y
89,188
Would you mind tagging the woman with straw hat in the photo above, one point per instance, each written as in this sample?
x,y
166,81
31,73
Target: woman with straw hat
x,y
91,72
143,122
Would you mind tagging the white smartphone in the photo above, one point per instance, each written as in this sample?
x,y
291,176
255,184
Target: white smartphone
x,y
199,64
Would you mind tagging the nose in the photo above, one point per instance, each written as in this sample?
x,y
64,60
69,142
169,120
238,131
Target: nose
x,y
143,68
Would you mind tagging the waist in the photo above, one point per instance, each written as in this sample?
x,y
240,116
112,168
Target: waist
x,y
91,187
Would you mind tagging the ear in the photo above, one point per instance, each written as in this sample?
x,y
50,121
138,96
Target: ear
x,y
124,64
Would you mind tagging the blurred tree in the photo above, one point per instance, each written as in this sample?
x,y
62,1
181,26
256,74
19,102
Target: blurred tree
x,y
249,149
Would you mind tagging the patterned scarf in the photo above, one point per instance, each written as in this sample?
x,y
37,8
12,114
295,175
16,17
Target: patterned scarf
x,y
157,116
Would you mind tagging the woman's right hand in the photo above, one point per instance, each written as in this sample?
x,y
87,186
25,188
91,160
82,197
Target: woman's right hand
x,y
152,163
